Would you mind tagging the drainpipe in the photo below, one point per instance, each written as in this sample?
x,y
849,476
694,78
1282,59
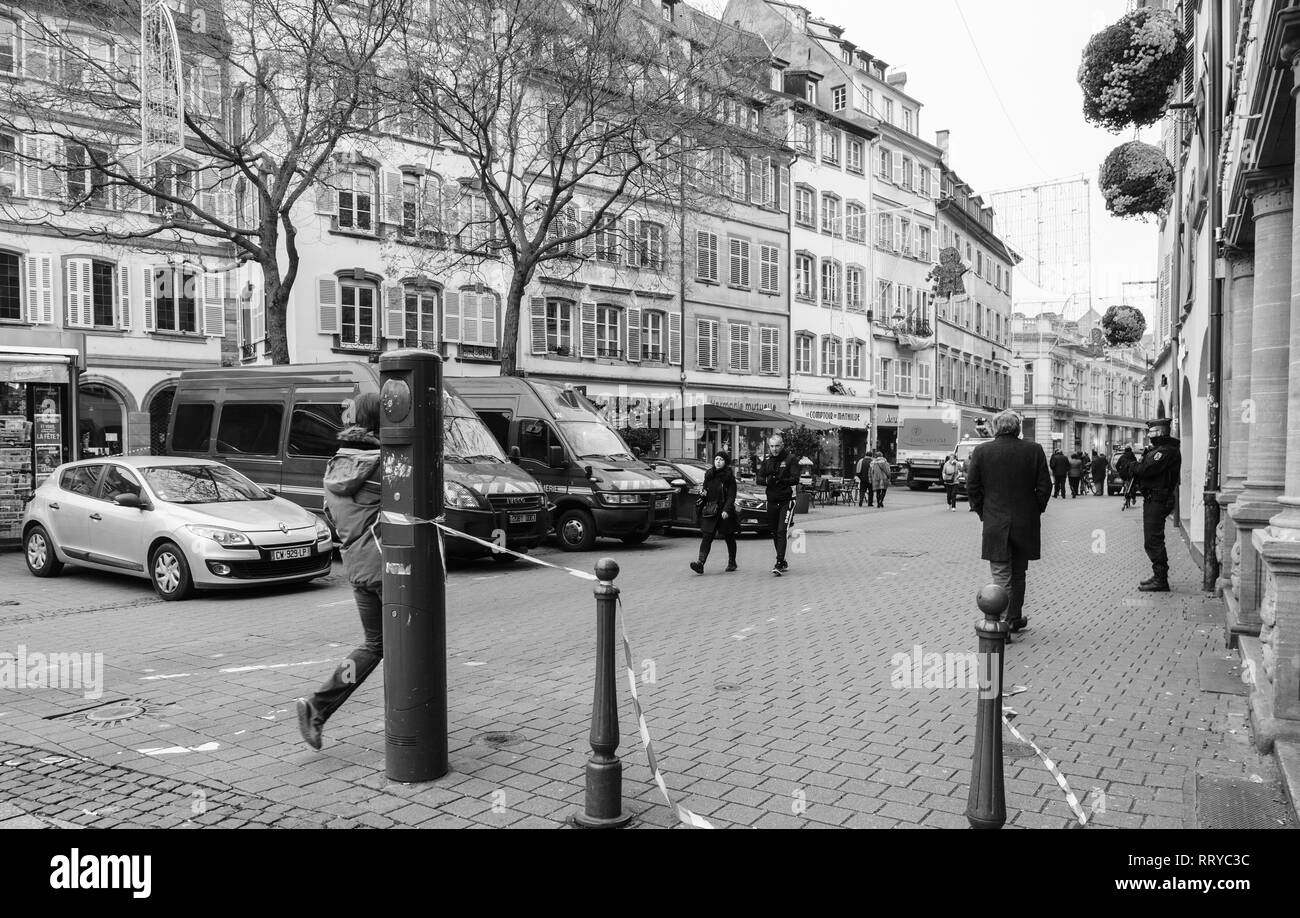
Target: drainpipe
x,y
1210,567
681,300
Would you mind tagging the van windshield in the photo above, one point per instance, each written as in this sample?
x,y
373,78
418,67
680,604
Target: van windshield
x,y
469,440
591,440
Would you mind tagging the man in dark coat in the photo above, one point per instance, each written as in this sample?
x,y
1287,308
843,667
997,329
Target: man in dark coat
x,y
1060,469
1156,478
778,473
1125,465
1099,469
1009,487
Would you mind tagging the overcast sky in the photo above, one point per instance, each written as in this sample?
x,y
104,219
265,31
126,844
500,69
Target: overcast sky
x,y
1031,49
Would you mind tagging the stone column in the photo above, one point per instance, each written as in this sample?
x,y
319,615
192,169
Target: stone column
x,y
1234,429
1266,416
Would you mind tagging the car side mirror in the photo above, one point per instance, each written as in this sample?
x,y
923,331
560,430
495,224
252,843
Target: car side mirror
x,y
132,500
678,483
555,457
274,492
514,454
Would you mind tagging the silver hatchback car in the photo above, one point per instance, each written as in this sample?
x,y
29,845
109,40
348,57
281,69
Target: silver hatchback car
x,y
182,523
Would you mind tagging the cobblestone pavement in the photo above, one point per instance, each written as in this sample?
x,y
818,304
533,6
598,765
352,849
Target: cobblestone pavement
x,y
773,701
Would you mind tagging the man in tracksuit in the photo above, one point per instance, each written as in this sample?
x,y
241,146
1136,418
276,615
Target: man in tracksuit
x,y
779,473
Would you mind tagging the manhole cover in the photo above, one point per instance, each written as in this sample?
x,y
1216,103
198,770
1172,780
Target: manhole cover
x,y
726,687
1221,676
115,713
498,739
1239,803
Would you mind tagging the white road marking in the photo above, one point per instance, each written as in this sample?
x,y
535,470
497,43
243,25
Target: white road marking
x,y
177,750
747,630
245,669
165,676
341,602
475,663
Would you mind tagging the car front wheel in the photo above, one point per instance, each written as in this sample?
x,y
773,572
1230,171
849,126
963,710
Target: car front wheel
x,y
576,530
41,559
170,572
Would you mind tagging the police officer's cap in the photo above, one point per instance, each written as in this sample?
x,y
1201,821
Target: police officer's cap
x,y
1158,424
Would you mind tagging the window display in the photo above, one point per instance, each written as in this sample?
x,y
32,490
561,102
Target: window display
x,y
32,423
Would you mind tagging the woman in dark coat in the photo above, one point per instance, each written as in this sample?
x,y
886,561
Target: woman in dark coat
x,y
718,511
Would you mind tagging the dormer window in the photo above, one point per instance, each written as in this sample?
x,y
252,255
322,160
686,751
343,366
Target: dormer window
x,y
667,10
810,92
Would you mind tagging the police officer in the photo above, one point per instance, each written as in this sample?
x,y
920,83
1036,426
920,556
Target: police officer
x,y
1156,478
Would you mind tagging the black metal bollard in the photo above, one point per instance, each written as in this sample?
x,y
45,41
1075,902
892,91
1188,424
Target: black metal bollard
x,y
603,808
986,807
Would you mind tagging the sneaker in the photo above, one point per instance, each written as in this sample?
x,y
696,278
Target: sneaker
x,y
697,566
306,725
776,569
731,566
1155,586
784,565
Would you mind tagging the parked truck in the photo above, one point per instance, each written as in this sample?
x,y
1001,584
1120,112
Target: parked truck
x,y
925,440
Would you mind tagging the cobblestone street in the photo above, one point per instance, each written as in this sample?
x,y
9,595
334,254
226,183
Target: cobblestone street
x,y
771,700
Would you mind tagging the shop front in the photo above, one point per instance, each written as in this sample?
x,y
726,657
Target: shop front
x,y
848,432
647,414
38,431
741,425
887,431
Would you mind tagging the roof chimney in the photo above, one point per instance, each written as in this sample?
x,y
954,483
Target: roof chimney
x,y
941,141
897,78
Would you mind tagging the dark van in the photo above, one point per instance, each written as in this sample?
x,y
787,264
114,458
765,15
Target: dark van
x,y
279,426
597,486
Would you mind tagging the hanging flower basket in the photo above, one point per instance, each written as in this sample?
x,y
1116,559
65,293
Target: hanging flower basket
x,y
1136,180
1123,325
1129,70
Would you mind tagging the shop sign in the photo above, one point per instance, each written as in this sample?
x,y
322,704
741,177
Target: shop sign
x,y
743,405
33,372
888,417
836,414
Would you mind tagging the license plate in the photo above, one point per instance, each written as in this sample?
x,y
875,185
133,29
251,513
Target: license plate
x,y
523,518
663,503
288,554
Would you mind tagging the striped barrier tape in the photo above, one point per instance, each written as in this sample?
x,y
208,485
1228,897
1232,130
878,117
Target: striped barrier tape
x,y
686,816
1072,800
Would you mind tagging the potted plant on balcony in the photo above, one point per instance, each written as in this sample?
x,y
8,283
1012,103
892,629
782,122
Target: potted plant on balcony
x,y
1129,69
1136,180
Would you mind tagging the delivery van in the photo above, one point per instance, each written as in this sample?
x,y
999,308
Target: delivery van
x,y
279,425
598,487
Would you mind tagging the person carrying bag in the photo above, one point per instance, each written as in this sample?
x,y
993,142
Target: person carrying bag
x,y
716,509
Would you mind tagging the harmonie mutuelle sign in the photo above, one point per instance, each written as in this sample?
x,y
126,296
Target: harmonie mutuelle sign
x,y
162,100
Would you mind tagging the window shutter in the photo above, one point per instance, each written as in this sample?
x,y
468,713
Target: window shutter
x,y
391,211
395,306
36,54
632,251
328,320
755,180
73,298
123,297
783,188
702,255
634,334
898,170
327,196
588,348
214,304
702,353
675,338
469,318
487,317
586,216
898,234
934,184
147,289
40,307
537,306
451,300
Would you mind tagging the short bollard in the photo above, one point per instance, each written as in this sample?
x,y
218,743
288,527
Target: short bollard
x,y
986,807
603,808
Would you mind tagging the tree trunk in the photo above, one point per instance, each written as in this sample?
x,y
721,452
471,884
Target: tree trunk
x,y
277,310
510,323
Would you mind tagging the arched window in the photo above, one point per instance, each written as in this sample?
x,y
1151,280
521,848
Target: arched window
x,y
160,409
831,214
101,421
803,354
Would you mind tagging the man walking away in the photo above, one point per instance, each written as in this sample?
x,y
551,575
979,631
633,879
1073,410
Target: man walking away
x,y
880,474
1009,487
1099,469
1076,472
779,473
1156,477
1059,465
861,472
949,475
1124,465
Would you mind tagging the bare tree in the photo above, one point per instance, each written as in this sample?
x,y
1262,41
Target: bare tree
x,y
572,114
271,88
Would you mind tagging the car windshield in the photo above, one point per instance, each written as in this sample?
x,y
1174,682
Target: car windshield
x,y
200,484
693,473
595,441
965,449
469,440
